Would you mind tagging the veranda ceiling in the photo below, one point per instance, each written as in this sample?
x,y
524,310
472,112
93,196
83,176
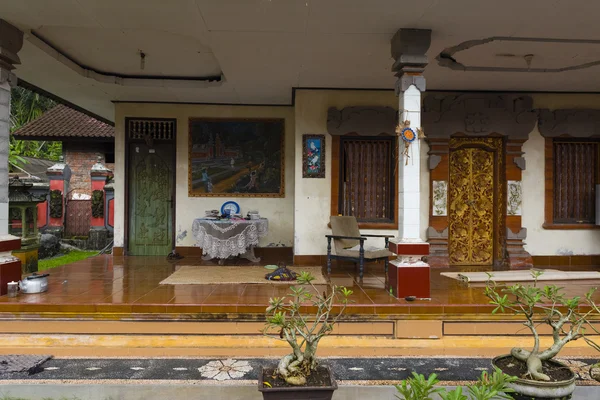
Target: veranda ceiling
x,y
264,48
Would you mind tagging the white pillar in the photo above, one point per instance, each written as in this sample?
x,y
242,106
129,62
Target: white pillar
x,y
409,170
408,276
11,41
4,150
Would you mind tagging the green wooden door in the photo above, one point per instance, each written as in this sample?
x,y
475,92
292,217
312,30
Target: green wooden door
x,y
151,181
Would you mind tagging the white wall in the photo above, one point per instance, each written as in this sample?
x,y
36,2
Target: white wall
x,y
540,241
279,211
313,196
307,202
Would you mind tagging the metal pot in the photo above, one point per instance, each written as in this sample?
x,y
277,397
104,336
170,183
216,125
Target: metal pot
x,y
34,283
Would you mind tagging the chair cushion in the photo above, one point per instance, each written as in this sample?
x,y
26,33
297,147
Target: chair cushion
x,y
370,252
344,226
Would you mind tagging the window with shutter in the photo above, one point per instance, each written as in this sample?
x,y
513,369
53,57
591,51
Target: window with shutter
x,y
575,170
366,178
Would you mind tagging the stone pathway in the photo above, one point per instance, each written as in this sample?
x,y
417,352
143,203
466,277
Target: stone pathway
x,y
221,370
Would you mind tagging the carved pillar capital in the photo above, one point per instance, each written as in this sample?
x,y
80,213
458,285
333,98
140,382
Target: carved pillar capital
x,y
7,76
409,48
11,41
405,81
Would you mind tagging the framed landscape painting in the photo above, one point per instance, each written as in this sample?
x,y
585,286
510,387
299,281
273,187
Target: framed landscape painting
x,y
236,157
313,156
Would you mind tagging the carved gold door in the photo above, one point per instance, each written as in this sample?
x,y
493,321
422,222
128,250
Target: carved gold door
x,y
472,204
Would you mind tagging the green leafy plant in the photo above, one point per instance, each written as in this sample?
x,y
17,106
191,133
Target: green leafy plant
x,y
547,305
26,106
286,321
487,387
418,387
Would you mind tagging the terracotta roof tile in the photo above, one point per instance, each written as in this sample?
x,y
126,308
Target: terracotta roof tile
x,y
64,122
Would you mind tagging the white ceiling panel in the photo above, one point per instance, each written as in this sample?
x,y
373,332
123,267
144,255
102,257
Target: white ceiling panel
x,y
118,51
264,48
351,60
254,15
359,16
259,57
32,14
180,17
543,54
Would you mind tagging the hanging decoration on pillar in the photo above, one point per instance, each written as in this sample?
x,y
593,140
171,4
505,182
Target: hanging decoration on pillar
x,y
408,136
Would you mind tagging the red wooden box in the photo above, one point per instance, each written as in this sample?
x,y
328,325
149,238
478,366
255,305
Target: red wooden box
x,y
409,280
409,249
9,272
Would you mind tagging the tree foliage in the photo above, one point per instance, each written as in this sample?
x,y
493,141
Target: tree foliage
x,y
25,107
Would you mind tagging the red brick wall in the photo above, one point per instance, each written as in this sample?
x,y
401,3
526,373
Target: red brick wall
x,y
81,157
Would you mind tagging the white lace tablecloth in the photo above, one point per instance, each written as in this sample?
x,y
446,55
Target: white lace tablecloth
x,y
228,238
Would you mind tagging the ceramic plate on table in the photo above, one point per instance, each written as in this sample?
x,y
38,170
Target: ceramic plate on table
x,y
230,208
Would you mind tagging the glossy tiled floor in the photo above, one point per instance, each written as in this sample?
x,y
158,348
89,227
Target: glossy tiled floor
x,y
130,285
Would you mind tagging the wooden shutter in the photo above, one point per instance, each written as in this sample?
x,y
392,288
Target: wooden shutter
x,y
366,187
575,168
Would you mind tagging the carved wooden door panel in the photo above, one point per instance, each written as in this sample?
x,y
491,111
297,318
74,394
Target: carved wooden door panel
x,y
151,181
471,189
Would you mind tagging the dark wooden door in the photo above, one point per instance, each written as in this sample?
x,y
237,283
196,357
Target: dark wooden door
x,y
78,217
151,195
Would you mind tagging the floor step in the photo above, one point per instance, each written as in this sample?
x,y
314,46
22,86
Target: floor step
x,y
169,345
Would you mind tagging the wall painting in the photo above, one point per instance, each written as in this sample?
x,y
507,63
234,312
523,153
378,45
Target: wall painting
x,y
313,156
236,157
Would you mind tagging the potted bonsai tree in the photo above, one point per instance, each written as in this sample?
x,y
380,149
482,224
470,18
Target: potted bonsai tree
x,y
298,374
541,377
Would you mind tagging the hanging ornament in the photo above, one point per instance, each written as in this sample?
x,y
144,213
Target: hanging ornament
x,y
408,136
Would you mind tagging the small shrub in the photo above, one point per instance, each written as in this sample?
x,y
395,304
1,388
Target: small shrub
x,y
487,387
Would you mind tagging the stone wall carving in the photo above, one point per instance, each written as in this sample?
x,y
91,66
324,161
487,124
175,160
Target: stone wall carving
x,y
515,198
440,198
365,121
478,114
572,122
98,204
56,204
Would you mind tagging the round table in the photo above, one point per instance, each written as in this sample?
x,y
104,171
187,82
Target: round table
x,y
224,238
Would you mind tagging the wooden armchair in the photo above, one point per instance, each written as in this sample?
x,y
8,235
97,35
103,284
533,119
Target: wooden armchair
x,y
350,244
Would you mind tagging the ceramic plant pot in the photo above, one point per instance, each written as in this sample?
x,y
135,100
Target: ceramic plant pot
x,y
297,392
526,389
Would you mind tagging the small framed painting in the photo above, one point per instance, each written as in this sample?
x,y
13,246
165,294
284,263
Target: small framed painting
x,y
313,156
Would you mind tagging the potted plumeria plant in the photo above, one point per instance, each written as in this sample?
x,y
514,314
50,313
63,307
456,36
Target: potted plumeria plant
x,y
541,377
298,375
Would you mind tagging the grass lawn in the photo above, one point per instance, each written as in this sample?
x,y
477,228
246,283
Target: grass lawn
x,y
68,258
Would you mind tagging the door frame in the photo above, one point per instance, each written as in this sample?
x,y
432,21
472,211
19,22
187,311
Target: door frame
x,y
127,175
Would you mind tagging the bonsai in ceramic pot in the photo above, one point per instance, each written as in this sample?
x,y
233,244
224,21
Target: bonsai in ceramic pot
x,y
539,376
298,375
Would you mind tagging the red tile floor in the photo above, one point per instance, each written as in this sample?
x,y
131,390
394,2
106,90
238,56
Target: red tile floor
x,y
107,285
